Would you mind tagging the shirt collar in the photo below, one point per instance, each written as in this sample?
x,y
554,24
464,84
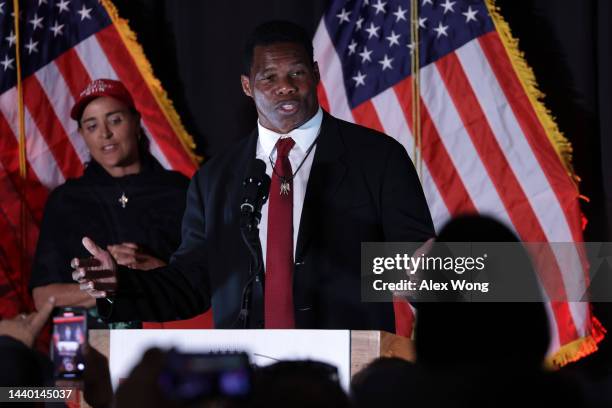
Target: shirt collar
x,y
303,136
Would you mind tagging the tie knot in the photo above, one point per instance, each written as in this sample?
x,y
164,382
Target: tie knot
x,y
284,146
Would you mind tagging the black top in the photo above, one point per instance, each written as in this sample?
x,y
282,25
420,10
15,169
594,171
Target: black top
x,y
90,206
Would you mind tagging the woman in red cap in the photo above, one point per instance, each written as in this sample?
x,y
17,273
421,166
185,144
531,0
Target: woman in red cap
x,y
125,200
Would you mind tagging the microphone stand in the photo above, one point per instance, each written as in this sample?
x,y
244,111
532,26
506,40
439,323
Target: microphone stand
x,y
249,229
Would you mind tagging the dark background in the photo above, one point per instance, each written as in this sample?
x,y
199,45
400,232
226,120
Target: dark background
x,y
195,48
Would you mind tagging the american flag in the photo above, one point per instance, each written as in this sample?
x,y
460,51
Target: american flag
x,y
488,145
62,46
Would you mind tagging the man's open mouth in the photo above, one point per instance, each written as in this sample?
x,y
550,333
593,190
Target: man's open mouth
x,y
288,106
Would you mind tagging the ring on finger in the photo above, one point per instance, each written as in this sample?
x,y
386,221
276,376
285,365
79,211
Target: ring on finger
x,y
86,285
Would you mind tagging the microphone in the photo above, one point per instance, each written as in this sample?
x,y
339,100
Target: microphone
x,y
256,186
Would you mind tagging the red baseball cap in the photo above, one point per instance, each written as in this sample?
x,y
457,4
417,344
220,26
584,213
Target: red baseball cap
x,y
98,88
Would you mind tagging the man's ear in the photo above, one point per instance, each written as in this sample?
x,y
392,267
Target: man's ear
x,y
246,85
315,70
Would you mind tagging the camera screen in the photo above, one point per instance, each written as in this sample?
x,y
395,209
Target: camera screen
x,y
69,336
195,376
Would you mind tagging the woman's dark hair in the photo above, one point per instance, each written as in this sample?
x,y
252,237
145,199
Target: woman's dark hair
x,y
144,144
274,32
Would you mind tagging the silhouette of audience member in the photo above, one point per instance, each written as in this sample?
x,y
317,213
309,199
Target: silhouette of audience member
x,y
487,354
298,384
288,384
479,332
21,365
384,382
143,387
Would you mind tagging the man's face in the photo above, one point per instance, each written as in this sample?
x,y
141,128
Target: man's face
x,y
283,84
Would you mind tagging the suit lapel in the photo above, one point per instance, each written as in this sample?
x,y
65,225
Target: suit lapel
x,y
328,170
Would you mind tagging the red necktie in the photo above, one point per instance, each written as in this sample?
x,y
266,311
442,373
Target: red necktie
x,y
278,298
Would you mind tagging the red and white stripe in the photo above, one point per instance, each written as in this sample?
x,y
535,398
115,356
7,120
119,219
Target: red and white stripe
x,y
55,150
38,154
484,150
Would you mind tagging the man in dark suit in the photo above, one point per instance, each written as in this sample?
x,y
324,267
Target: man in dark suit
x,y
334,185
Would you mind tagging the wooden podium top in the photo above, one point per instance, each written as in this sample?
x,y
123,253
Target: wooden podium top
x,y
368,345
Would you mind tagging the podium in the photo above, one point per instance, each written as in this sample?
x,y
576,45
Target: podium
x,y
368,345
350,351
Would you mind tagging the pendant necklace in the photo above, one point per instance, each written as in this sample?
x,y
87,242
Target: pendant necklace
x,y
123,200
285,186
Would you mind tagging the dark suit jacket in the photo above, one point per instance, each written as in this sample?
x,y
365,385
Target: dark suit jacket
x,y
362,187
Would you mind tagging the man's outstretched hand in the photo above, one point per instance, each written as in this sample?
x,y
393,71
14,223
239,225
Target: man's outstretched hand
x,y
96,275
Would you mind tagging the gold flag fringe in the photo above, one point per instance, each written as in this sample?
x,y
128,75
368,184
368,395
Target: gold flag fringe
x,y
575,350
155,86
583,346
527,78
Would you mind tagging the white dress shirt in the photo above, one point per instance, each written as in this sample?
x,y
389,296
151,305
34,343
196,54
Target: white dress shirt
x,y
303,136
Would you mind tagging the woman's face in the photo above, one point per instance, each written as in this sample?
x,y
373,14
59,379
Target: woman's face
x,y
110,130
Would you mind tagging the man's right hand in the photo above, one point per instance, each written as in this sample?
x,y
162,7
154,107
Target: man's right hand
x,y
96,275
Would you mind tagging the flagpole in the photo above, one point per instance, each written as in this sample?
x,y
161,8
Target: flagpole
x,y
22,146
416,87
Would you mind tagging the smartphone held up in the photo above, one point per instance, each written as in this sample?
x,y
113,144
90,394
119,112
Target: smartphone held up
x,y
68,342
